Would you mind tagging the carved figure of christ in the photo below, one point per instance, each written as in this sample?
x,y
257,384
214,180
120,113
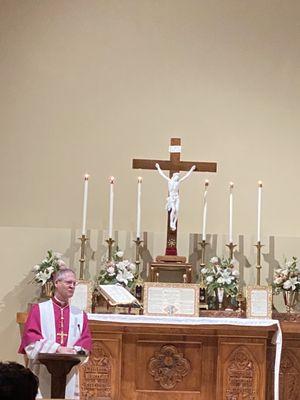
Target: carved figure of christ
x,y
173,195
174,165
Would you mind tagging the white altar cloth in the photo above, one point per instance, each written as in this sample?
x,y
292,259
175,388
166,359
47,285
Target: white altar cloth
x,y
147,319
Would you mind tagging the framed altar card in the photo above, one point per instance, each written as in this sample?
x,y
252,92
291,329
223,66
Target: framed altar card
x,y
82,297
171,299
259,302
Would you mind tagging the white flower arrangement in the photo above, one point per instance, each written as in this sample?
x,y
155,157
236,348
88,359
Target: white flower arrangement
x,y
287,277
221,273
47,267
118,271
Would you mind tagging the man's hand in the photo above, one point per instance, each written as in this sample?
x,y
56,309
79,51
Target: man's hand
x,y
65,350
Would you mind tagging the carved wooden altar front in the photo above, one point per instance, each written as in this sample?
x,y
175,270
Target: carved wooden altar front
x,y
141,362
177,362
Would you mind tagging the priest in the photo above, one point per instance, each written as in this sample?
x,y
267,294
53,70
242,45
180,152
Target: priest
x,y
56,327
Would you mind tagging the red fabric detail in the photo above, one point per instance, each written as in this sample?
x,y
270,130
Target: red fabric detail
x,y
171,251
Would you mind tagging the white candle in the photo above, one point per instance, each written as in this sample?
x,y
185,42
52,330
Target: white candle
x,y
85,198
204,210
230,211
111,206
259,211
138,219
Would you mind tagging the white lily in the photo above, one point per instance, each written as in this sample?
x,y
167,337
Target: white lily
x,y
291,284
124,276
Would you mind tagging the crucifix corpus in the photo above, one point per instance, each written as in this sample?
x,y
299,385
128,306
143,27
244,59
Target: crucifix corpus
x,y
174,166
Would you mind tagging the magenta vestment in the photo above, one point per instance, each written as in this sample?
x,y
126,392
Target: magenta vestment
x,y
33,333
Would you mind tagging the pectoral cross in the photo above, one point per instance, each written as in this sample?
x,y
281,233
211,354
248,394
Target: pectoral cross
x,y
174,165
61,334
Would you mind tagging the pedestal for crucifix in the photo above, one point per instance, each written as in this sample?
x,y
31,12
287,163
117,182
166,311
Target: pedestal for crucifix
x,y
173,165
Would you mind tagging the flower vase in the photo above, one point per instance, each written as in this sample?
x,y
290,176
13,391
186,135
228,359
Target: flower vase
x,y
289,297
220,297
46,292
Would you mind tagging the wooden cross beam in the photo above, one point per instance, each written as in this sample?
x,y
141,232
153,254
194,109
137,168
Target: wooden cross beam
x,y
174,164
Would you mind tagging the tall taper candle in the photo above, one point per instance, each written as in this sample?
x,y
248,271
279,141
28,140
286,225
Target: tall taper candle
x,y
85,198
259,211
204,210
138,217
111,206
230,211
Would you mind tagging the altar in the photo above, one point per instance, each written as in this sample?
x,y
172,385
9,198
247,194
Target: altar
x,y
142,357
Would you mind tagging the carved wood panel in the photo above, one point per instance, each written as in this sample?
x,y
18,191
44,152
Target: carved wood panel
x,y
241,377
96,381
100,376
289,376
168,366
241,371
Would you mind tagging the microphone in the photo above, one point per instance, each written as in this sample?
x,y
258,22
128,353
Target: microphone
x,y
80,352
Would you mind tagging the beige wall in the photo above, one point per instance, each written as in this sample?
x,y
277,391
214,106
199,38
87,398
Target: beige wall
x,y
87,86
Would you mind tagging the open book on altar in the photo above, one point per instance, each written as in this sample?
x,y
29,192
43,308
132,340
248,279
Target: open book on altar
x,y
117,295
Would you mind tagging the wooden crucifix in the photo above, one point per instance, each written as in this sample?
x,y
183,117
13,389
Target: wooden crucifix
x,y
174,165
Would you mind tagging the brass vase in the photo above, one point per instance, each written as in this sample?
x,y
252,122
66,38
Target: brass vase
x,y
220,297
47,290
290,299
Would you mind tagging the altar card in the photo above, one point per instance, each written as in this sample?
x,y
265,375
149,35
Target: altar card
x,y
171,299
259,302
83,294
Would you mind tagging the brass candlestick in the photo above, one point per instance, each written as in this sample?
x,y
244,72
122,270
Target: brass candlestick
x,y
137,242
258,245
231,247
202,291
110,243
83,240
139,281
203,244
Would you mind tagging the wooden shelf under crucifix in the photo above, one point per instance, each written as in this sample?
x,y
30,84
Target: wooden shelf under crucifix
x,y
174,165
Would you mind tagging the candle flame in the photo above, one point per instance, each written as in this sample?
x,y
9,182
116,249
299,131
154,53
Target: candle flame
x,y
140,179
231,185
260,183
206,182
86,177
111,179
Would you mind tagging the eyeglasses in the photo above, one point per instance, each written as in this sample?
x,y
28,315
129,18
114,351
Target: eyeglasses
x,y
69,283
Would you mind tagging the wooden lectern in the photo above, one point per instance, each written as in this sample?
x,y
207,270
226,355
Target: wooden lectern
x,y
59,365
